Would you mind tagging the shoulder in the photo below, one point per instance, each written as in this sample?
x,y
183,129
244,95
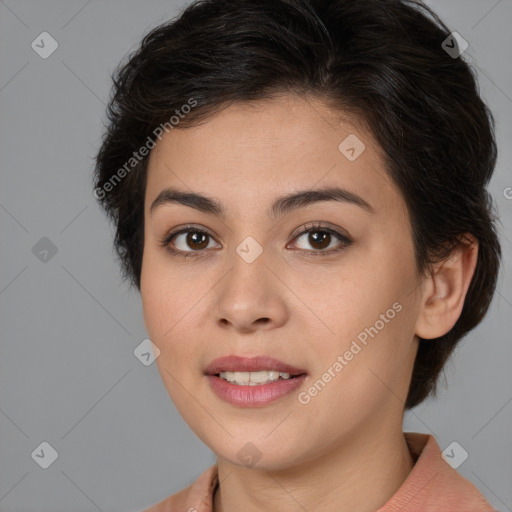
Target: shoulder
x,y
197,497
433,483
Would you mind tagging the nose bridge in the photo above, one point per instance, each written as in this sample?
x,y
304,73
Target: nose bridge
x,y
247,281
248,295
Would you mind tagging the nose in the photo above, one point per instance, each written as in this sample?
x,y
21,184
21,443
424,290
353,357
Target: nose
x,y
250,297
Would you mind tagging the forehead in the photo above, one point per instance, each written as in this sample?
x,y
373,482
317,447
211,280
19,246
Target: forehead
x,y
249,151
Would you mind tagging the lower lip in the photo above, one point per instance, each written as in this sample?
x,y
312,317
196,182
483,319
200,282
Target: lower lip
x,y
254,396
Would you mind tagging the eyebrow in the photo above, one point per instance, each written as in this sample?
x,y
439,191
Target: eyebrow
x,y
281,206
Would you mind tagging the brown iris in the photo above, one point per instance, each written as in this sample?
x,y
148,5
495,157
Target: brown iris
x,y
197,240
323,238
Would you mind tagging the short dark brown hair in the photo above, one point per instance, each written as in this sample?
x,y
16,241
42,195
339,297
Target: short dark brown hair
x,y
382,60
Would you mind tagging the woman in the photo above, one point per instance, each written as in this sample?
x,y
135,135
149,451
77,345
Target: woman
x,y
298,191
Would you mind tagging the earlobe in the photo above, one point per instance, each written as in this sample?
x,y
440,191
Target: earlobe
x,y
445,290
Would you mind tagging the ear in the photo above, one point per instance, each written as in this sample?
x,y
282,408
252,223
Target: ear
x,y
444,291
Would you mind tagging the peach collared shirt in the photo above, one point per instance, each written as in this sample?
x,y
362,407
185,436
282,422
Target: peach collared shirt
x,y
432,486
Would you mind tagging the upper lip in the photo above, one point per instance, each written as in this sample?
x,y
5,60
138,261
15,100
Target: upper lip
x,y
250,364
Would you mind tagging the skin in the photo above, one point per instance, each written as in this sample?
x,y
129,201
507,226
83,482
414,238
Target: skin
x,y
298,308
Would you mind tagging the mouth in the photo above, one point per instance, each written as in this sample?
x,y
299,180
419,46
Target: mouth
x,y
255,378
255,381
255,370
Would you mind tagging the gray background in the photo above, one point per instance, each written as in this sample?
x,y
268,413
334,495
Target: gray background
x,y
68,374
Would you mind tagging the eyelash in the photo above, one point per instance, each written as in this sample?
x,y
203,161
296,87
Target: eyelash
x,y
307,228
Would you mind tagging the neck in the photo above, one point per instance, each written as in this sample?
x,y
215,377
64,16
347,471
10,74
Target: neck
x,y
359,475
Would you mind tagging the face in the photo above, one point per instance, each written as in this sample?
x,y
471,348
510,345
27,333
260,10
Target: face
x,y
324,284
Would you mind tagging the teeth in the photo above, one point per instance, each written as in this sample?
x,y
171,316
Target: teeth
x,y
241,377
253,378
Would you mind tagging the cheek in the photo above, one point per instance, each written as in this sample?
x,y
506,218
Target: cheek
x,y
162,292
159,304
355,381
168,301
153,306
370,312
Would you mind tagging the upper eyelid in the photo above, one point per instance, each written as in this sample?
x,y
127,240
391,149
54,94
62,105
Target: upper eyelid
x,y
186,229
309,226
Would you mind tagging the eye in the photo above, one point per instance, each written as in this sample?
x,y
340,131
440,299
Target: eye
x,y
321,238
190,241
187,240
